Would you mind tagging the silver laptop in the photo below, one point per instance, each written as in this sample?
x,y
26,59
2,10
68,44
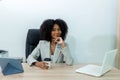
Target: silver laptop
x,y
95,70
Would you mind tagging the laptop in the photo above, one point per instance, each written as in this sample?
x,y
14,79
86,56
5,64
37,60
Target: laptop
x,y
10,66
97,70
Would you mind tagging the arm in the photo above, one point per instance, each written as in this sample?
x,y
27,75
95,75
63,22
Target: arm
x,y
34,55
32,58
67,56
65,51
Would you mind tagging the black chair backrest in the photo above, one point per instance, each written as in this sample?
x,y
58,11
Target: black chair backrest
x,y
33,37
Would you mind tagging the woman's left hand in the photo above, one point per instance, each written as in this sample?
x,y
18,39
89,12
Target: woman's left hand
x,y
59,40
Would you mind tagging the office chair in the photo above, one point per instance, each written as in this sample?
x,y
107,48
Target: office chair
x,y
33,37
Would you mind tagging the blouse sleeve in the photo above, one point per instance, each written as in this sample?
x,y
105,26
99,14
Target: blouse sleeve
x,y
67,55
34,55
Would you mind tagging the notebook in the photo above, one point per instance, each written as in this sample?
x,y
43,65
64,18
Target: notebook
x,y
10,66
96,70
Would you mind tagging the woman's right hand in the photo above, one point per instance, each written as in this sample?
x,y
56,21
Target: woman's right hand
x,y
42,65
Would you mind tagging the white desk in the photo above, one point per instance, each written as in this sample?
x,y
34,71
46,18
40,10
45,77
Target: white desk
x,y
58,72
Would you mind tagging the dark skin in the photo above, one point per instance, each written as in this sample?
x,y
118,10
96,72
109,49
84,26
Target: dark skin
x,y
42,65
55,34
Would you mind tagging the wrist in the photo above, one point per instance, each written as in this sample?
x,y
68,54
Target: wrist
x,y
33,63
63,45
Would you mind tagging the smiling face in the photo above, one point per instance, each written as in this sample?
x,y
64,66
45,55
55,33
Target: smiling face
x,y
56,31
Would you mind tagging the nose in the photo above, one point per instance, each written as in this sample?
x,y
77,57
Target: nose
x,y
56,31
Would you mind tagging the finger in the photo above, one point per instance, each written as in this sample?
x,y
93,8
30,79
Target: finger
x,y
45,67
60,41
45,64
42,65
57,39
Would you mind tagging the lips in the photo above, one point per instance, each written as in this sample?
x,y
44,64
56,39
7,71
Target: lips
x,y
57,35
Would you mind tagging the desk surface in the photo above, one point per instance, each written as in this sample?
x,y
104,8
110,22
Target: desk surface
x,y
58,72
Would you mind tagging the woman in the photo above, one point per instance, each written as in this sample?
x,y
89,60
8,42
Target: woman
x,y
51,44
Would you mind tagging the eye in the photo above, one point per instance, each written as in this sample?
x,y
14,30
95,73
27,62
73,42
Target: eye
x,y
53,29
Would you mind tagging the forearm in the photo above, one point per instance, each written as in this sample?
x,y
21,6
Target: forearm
x,y
67,56
31,60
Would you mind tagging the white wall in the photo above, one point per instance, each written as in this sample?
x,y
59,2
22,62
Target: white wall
x,y
92,25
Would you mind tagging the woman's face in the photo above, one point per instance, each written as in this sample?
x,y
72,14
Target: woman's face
x,y
56,31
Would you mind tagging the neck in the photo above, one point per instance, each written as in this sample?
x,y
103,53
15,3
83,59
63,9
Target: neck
x,y
53,41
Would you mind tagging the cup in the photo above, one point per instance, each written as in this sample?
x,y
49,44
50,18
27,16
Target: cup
x,y
48,60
